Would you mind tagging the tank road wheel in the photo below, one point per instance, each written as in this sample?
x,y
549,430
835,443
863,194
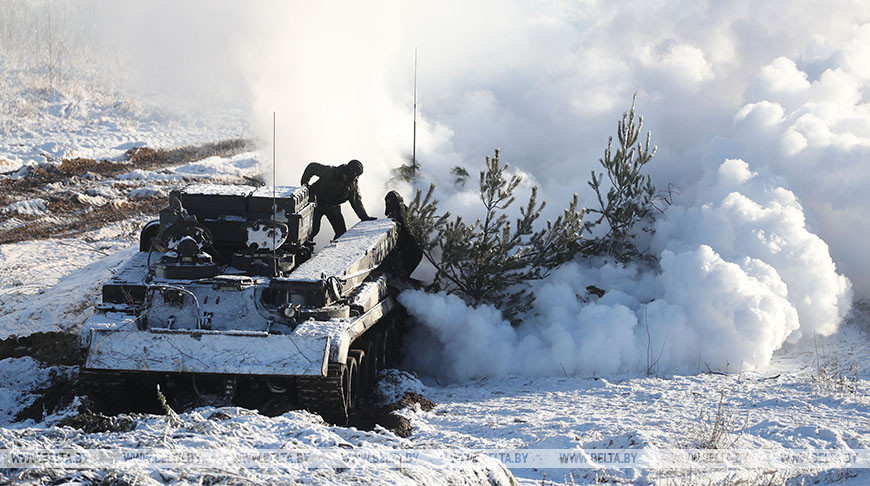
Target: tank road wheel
x,y
380,354
271,396
371,369
358,382
362,383
353,384
338,394
368,372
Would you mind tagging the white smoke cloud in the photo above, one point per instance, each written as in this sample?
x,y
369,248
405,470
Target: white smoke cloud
x,y
806,119
732,288
743,215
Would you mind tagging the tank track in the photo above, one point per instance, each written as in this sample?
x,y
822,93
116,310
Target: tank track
x,y
347,385
325,395
109,394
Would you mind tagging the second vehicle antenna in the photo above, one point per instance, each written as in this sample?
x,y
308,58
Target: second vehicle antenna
x,y
274,198
414,144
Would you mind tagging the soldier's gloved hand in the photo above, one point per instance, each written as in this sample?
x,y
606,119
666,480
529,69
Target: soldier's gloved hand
x,y
370,218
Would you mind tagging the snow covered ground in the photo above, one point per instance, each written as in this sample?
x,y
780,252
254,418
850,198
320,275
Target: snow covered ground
x,y
67,272
40,125
786,406
789,405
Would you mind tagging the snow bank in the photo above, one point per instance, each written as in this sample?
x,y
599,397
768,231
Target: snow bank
x,y
104,191
18,376
30,207
393,384
215,168
67,273
212,441
246,164
732,288
146,192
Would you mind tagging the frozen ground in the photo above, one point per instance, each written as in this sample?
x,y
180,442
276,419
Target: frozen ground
x,y
787,406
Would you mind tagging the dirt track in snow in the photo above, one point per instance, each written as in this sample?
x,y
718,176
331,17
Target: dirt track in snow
x,y
69,190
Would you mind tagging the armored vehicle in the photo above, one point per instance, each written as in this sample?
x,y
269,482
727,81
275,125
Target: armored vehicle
x,y
227,298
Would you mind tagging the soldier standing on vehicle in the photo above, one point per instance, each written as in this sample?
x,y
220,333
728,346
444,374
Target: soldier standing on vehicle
x,y
334,186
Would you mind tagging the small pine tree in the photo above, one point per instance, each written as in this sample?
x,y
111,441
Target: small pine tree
x,y
460,175
407,172
629,203
489,260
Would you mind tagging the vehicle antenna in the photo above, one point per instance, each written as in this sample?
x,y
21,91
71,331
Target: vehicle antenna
x,y
274,203
414,145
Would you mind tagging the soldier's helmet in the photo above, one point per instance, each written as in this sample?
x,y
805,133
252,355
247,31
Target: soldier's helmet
x,y
393,205
354,168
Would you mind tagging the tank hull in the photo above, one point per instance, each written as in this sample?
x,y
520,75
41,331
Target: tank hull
x,y
306,330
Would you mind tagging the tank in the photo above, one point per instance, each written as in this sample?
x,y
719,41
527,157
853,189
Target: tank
x,y
226,299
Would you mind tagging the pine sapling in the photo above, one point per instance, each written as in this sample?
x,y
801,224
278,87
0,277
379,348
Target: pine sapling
x,y
628,205
460,175
408,172
490,260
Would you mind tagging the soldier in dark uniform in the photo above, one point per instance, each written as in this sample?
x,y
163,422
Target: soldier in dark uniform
x,y
408,254
334,186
